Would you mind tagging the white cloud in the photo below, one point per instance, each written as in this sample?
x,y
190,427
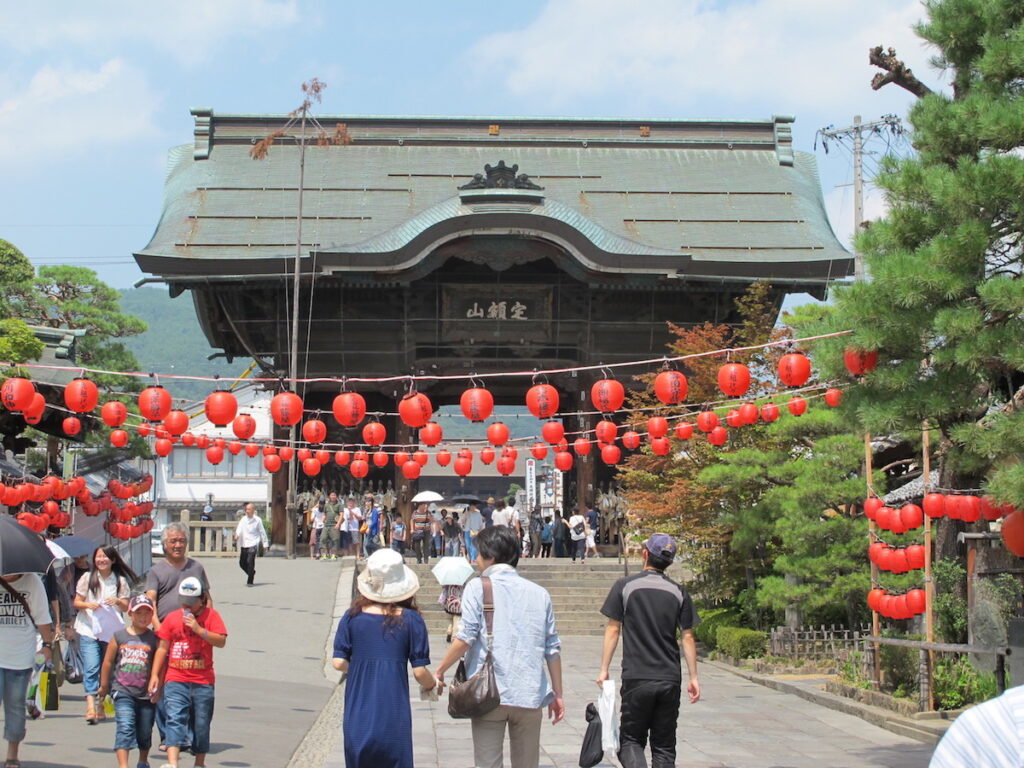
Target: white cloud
x,y
64,109
798,55
189,30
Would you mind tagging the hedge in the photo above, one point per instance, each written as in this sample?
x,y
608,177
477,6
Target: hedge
x,y
706,632
741,643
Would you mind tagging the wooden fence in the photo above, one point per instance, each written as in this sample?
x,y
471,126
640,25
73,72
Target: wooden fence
x,y
817,643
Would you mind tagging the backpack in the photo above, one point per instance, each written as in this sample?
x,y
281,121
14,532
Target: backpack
x,y
547,535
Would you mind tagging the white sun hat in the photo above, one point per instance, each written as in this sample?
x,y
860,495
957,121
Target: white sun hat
x,y
386,578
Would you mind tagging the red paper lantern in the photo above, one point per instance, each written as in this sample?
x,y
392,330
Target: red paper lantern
x,y
539,451
163,447
915,556
916,601
286,452
311,467
234,447
286,409
269,450
304,453
34,413
734,379
361,455
411,470
175,422
606,431
359,468
582,446
684,430
476,404
188,439
553,432
657,426
221,407
119,438
660,446
542,401
563,461
510,450
794,369
874,550
797,406
833,397
349,408
342,458
707,421
154,403
487,454
871,507
506,465
970,508
611,454
1013,533
934,504
81,395
244,426
883,558
874,598
859,362
953,509
71,425
443,457
733,418
374,433
607,395
420,457
463,466
497,433
769,412
718,436
323,456
215,454
911,516
631,440
749,414
431,434
415,409
252,450
144,430
220,442
380,459
16,394
314,431
670,387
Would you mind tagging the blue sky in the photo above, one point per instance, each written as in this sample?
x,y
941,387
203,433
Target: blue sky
x,y
92,95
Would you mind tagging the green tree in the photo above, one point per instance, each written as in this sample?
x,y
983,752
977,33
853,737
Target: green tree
x,y
17,342
945,305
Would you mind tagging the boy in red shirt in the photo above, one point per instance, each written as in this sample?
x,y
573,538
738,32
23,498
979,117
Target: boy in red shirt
x,y
187,639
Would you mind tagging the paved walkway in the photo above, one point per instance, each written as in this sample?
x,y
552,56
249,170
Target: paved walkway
x,y
270,682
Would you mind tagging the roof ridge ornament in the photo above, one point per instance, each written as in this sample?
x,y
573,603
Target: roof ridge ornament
x,y
500,176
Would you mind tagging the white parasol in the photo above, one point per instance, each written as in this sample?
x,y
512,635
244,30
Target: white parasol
x,y
452,571
426,497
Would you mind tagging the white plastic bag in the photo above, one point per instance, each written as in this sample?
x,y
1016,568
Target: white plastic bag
x,y
609,723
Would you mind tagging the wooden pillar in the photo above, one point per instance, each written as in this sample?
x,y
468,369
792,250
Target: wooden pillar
x,y
585,465
929,586
279,496
869,467
405,488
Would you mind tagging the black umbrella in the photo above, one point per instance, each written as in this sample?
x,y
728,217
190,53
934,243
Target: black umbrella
x,y
21,550
76,546
466,498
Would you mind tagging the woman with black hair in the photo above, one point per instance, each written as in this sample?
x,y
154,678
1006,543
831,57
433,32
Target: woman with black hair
x,y
101,596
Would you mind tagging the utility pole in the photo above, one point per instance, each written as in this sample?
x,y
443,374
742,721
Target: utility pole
x,y
856,132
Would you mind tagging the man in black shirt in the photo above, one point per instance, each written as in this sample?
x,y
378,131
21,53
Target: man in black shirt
x,y
651,607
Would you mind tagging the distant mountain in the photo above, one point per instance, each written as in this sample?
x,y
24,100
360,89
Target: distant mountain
x,y
174,342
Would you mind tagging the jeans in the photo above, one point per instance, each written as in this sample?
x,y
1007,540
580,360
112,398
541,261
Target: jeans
x,y
648,706
421,547
134,722
437,543
452,546
161,721
14,686
398,546
247,562
185,700
370,544
93,651
579,548
470,546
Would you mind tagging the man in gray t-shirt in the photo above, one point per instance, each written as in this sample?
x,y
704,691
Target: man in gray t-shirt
x,y
163,577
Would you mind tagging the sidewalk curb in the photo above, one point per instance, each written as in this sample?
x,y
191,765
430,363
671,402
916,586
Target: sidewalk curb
x,y
321,740
901,726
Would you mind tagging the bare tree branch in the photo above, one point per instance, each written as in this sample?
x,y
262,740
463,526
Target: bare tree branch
x,y
895,72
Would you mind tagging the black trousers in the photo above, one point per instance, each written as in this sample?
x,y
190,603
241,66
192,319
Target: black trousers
x,y
650,708
247,562
421,548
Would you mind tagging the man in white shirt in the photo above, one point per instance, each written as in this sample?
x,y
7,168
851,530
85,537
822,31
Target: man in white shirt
x,y
250,533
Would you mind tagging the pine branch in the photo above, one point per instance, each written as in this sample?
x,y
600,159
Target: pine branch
x,y
895,72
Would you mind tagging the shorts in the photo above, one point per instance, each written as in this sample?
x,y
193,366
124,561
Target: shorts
x,y
329,538
345,539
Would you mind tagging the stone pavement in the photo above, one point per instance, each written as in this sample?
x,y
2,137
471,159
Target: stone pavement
x,y
270,682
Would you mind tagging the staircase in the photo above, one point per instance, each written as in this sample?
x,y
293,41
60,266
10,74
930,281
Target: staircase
x,y
577,592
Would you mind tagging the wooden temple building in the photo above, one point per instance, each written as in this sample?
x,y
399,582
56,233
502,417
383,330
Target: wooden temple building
x,y
441,245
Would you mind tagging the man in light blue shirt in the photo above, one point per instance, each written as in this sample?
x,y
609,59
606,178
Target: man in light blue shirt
x,y
472,524
526,650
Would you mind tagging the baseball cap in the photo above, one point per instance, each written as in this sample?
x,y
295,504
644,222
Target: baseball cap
x,y
190,588
140,601
661,545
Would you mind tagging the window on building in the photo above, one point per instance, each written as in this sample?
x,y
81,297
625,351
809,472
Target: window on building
x,y
191,463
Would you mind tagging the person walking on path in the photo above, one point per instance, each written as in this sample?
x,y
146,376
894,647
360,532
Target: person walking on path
x,y
398,534
452,535
127,670
421,533
648,608
26,613
526,651
329,533
317,533
536,526
187,639
436,534
472,524
547,537
162,580
371,520
577,525
381,633
250,534
101,596
352,523
561,536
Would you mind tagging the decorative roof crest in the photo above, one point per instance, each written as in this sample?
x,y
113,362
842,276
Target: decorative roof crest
x,y
500,176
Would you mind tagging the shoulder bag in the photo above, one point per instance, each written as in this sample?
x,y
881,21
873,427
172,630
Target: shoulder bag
x,y
477,695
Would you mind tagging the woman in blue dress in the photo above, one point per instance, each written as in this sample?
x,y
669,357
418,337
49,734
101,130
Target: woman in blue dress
x,y
381,633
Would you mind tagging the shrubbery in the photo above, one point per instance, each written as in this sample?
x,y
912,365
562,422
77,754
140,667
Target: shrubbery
x,y
741,643
706,632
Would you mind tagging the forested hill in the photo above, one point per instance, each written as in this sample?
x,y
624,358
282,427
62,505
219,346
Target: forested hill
x,y
174,342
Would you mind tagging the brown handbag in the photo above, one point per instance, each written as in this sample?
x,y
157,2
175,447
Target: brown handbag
x,y
476,696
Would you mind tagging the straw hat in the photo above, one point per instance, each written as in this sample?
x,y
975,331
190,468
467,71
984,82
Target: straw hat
x,y
386,578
